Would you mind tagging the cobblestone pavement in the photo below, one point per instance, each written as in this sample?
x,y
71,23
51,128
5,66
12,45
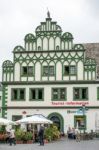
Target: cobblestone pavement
x,y
63,144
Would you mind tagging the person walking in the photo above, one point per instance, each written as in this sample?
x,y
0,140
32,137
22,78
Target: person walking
x,y
12,137
77,134
41,135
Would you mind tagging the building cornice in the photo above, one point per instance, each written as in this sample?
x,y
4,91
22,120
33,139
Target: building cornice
x,y
49,51
48,82
48,107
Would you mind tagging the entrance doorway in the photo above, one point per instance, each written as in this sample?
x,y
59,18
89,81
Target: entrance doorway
x,y
57,120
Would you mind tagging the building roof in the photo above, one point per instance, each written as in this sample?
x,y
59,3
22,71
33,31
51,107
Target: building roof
x,y
92,51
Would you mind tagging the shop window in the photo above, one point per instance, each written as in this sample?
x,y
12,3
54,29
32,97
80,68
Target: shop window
x,y
80,93
80,122
59,94
36,94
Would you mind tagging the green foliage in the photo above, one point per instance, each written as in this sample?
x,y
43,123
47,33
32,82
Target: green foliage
x,y
2,129
19,134
52,133
22,135
29,136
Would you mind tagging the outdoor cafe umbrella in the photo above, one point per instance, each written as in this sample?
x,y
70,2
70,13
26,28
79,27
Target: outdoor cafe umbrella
x,y
35,119
4,121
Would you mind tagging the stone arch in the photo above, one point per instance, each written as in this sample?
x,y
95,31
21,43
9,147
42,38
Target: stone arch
x,y
59,118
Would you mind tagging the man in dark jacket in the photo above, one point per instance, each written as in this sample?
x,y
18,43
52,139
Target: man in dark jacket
x,y
41,135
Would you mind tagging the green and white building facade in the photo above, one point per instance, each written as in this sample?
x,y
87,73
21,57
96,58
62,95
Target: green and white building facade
x,y
51,75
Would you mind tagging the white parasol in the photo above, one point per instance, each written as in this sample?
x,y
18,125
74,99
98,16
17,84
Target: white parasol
x,y
34,119
4,121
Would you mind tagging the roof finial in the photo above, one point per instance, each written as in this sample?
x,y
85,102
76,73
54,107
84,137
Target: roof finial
x,y
48,13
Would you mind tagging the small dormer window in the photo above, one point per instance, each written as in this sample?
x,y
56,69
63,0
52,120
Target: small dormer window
x,y
57,47
39,48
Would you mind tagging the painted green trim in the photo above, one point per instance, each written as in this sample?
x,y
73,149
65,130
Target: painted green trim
x,y
50,36
36,90
26,71
46,70
60,118
58,94
49,107
80,94
50,51
18,98
4,100
48,59
7,69
97,93
69,71
57,57
49,82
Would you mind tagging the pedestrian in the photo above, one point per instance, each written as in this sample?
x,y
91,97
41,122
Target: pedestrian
x,y
41,135
12,137
77,134
69,132
7,136
73,134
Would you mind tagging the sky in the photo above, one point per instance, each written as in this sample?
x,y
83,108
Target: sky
x,y
20,17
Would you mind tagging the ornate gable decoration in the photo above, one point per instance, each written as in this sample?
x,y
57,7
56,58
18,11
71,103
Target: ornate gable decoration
x,y
78,47
67,36
7,63
48,36
90,61
29,38
7,66
18,49
48,28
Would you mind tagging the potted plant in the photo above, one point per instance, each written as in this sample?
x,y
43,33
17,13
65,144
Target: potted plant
x,y
2,133
19,134
29,136
51,133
